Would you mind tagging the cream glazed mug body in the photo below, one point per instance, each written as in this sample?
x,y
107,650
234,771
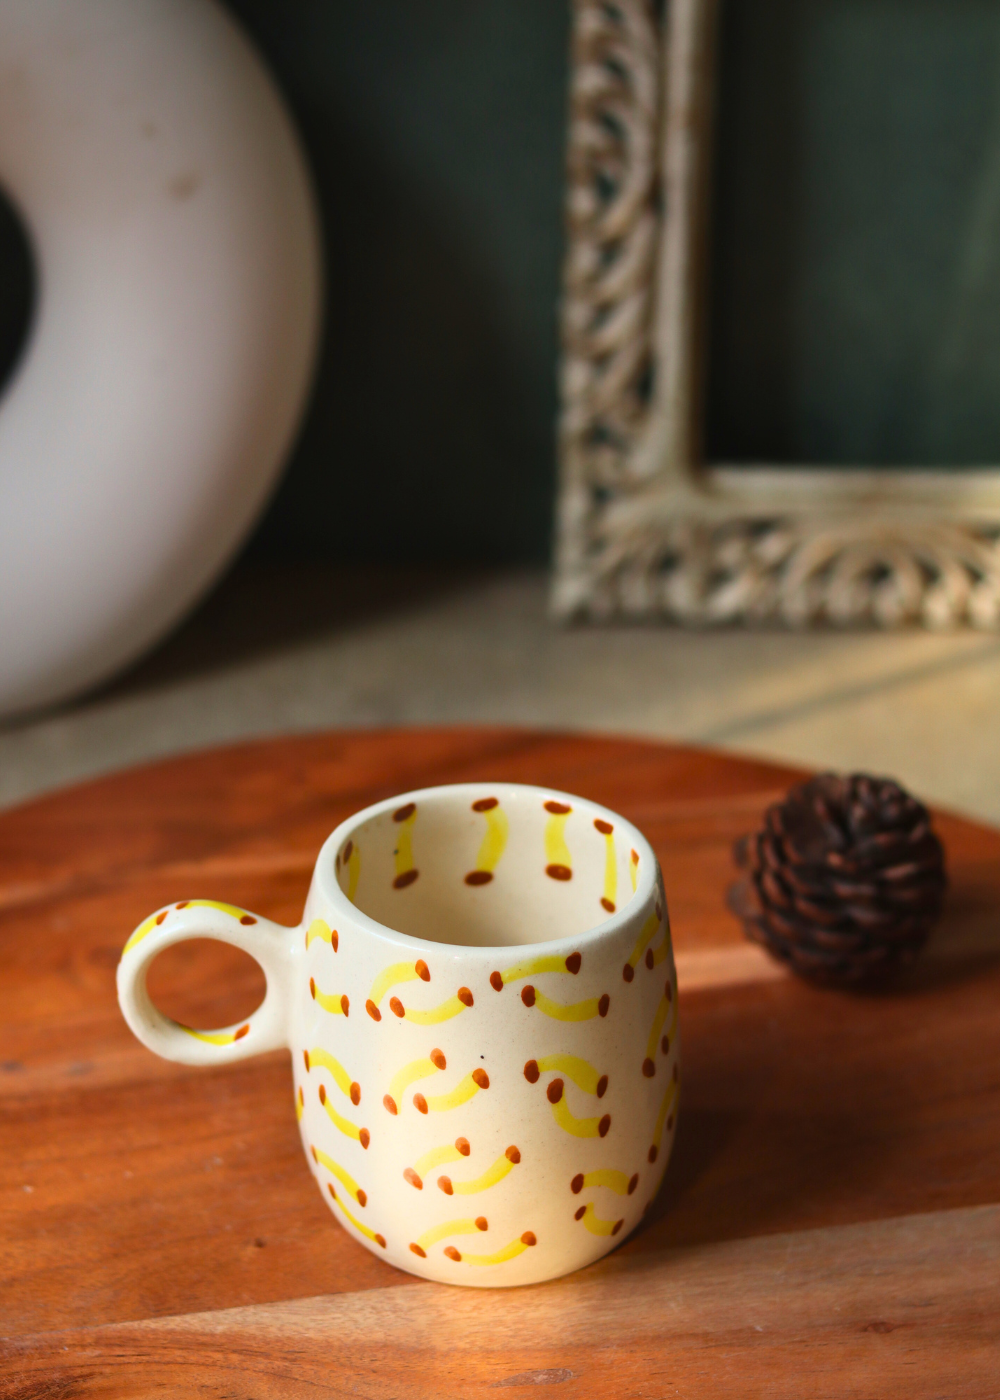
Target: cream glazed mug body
x,y
481,1007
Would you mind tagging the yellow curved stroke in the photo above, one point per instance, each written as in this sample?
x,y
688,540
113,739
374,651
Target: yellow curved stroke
x,y
556,850
533,967
509,1251
666,1006
347,1181
578,1011
404,846
610,869
409,1074
582,1073
300,1104
344,1124
436,1157
319,929
330,1001
489,1178
579,1127
448,1227
362,1229
154,920
463,1091
648,929
454,1006
633,866
595,1225
224,1037
614,1181
391,977
322,1059
353,872
495,840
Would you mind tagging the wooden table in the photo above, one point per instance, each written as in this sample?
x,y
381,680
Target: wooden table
x,y
828,1225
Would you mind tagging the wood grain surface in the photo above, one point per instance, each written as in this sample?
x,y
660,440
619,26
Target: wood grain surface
x,y
829,1224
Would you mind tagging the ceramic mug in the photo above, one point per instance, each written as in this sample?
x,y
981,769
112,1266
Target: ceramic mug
x,y
481,1006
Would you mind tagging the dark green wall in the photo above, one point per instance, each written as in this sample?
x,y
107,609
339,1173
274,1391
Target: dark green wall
x,y
435,129
856,239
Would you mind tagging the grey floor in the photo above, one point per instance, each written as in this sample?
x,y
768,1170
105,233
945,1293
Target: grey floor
x,y
291,650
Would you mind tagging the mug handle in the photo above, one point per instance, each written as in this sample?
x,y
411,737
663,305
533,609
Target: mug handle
x,y
269,943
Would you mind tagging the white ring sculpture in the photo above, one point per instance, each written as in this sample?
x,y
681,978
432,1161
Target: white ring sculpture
x,y
177,253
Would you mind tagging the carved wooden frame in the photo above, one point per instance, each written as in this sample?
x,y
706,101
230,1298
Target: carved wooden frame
x,y
644,528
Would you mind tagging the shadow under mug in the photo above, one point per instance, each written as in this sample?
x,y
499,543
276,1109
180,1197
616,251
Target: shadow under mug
x,y
481,1006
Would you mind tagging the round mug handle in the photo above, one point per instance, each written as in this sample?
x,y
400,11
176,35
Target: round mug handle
x,y
269,943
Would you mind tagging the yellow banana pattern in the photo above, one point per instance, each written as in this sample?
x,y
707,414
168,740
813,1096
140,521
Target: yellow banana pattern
x,y
510,1251
444,1230
348,1182
405,1082
330,1001
503,1165
437,1156
534,967
493,843
610,894
225,1037
322,1059
559,861
372,1235
155,920
409,1074
593,1222
463,1091
582,1072
394,976
343,1125
319,928
578,1011
615,1181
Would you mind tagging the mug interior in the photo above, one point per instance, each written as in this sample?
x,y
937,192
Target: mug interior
x,y
492,867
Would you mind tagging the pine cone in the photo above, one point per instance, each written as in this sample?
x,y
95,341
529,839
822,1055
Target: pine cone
x,y
845,879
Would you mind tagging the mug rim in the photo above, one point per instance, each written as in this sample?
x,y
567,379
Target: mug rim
x,y
327,882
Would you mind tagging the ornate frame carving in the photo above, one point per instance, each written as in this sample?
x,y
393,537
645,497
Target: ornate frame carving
x,y
643,527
